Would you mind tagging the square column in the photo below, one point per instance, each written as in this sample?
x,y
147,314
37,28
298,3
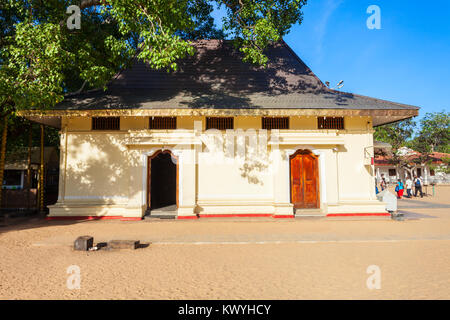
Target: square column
x,y
281,184
187,182
134,207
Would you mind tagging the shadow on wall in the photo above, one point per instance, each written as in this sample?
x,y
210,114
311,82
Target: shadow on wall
x,y
244,152
251,170
98,167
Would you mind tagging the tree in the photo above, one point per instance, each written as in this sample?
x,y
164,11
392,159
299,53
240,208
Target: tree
x,y
434,135
444,167
41,60
156,31
397,135
30,74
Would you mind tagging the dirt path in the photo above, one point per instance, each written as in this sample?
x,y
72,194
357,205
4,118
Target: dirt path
x,y
236,259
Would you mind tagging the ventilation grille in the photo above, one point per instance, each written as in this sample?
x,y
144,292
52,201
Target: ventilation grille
x,y
275,123
162,123
219,123
106,123
330,123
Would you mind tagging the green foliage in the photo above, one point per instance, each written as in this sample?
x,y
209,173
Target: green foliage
x,y
114,31
31,73
396,134
18,135
434,134
41,60
446,161
203,26
446,165
255,24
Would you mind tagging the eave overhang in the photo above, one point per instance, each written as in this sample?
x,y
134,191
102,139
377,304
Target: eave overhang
x,y
53,117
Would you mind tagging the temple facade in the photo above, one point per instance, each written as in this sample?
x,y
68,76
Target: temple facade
x,y
218,138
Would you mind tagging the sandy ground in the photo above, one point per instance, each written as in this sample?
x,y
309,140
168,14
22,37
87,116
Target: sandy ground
x,y
236,259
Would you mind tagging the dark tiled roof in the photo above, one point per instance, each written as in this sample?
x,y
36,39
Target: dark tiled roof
x,y
216,77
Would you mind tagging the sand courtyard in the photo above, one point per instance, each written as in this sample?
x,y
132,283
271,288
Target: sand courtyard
x,y
239,258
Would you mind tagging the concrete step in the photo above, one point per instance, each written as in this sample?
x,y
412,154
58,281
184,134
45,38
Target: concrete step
x,y
169,212
303,213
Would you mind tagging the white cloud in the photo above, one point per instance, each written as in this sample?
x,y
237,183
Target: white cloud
x,y
329,7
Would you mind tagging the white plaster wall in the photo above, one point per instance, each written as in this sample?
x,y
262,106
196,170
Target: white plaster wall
x,y
109,168
231,177
97,168
356,180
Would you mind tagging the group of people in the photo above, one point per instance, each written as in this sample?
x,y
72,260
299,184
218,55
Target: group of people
x,y
417,182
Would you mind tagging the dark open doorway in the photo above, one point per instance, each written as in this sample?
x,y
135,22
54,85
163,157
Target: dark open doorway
x,y
162,178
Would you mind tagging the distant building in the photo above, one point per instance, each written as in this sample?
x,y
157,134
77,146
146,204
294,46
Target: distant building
x,y
430,175
16,192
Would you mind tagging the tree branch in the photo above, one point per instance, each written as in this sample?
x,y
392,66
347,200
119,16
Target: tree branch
x,y
91,3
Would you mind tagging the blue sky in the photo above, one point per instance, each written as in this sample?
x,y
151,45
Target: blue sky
x,y
406,61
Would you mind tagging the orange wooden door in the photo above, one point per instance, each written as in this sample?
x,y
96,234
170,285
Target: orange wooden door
x,y
304,180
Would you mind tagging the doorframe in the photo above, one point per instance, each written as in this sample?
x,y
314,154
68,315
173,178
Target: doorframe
x,y
149,170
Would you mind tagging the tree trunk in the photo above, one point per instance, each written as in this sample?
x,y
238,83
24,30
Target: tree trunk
x,y
410,172
3,155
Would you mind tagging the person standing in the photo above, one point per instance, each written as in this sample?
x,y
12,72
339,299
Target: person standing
x,y
418,186
409,184
383,182
399,188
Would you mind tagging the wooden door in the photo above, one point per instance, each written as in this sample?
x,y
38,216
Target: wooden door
x,y
304,180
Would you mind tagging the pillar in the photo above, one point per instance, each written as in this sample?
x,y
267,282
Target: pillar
x,y
187,182
30,143
41,173
281,183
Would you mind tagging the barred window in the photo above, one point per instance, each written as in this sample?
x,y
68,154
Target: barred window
x,y
13,178
219,123
330,123
392,172
162,123
275,123
106,123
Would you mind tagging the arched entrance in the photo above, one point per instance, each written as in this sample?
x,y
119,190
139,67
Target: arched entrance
x,y
304,178
162,180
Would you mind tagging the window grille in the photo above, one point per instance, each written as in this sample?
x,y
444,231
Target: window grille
x,y
162,123
106,123
330,123
219,123
275,123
